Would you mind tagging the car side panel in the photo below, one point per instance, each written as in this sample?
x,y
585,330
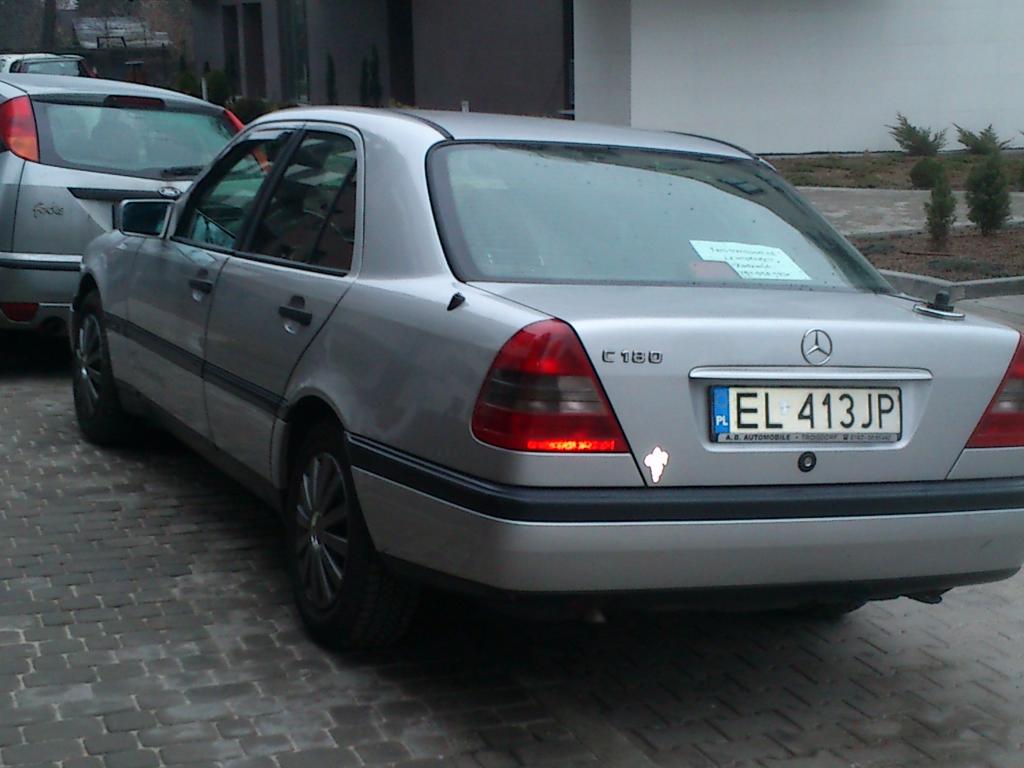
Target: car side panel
x,y
108,262
395,363
402,369
11,169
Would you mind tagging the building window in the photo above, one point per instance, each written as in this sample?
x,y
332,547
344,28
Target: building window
x,y
294,51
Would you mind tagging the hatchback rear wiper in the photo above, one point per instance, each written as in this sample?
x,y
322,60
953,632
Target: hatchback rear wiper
x,y
179,171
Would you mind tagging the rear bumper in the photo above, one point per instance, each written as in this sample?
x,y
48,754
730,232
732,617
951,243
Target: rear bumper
x,y
793,537
47,280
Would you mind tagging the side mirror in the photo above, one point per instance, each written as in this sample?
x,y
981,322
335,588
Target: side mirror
x,y
143,217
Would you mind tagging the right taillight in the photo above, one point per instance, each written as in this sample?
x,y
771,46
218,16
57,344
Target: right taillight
x,y
542,394
18,128
1002,426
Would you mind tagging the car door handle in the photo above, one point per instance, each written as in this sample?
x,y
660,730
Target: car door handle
x,y
300,316
203,286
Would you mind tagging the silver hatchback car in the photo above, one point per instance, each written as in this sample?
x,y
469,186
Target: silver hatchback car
x,y
537,359
71,148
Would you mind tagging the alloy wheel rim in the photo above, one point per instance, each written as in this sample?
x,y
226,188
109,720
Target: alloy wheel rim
x,y
321,542
89,362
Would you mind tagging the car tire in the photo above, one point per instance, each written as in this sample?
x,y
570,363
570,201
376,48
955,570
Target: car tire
x,y
346,598
97,406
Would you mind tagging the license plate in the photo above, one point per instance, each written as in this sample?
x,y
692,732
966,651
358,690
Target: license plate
x,y
806,414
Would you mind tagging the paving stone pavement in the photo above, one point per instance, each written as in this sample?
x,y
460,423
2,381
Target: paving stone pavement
x,y
146,621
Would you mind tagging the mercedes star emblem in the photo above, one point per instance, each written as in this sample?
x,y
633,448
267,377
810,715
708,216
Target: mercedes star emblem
x,y
816,347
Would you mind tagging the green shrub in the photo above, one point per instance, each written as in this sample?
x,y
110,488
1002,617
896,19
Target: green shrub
x,y
369,83
988,195
926,172
331,81
916,141
987,142
188,83
941,209
247,109
218,89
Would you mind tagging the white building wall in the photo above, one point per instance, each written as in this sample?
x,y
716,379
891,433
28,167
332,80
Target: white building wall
x,y
601,32
816,75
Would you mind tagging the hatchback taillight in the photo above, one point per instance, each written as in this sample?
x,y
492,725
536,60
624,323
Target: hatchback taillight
x,y
1002,426
18,128
19,312
541,394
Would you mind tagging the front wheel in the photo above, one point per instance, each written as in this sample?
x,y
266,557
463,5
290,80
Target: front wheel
x,y
97,406
345,596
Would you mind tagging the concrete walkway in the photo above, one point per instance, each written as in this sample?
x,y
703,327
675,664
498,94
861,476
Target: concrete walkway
x,y
876,211
1002,309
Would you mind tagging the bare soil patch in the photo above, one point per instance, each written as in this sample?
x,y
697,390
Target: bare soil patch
x,y
882,170
967,256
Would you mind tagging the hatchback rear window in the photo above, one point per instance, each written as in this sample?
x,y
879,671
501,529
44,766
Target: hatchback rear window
x,y
153,143
68,67
579,213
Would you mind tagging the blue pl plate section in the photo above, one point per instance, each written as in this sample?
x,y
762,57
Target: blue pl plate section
x,y
720,410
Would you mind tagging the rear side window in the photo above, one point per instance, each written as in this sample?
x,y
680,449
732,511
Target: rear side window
x,y
311,216
218,208
152,143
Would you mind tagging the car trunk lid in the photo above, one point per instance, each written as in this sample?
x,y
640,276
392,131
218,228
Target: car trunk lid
x,y
661,351
60,210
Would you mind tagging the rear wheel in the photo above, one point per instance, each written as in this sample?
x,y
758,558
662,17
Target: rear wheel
x,y
345,596
99,412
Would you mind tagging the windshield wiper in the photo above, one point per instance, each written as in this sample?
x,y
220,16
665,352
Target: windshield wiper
x,y
180,171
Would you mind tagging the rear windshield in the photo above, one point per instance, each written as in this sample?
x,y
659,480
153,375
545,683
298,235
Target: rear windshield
x,y
67,67
578,214
152,143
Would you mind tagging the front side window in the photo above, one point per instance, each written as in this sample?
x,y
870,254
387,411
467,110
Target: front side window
x,y
577,213
311,216
151,143
217,210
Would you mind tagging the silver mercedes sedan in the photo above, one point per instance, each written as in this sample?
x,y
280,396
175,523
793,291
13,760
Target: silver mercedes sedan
x,y
554,364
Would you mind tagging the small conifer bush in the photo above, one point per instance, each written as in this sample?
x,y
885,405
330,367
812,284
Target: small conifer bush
x,y
988,195
915,140
985,142
925,173
941,210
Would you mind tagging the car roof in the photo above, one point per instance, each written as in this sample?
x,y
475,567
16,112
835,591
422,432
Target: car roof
x,y
56,85
480,126
39,56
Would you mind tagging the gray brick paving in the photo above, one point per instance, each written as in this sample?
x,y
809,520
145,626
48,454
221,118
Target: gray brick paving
x,y
146,621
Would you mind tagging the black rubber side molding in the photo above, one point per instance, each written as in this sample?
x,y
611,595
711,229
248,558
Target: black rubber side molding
x,y
598,505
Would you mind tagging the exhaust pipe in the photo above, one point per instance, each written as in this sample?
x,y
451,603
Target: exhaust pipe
x,y
928,598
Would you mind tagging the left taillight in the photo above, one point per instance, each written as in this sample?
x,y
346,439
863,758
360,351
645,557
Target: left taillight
x,y
1002,426
18,128
542,394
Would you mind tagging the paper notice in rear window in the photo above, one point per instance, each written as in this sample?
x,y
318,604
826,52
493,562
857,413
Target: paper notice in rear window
x,y
751,262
